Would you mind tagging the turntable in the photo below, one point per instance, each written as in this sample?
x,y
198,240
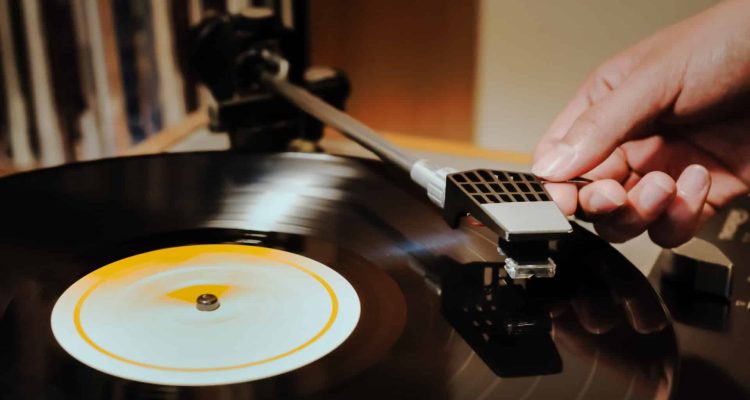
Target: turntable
x,y
260,273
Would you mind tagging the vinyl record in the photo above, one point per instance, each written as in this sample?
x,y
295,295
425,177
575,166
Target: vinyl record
x,y
426,311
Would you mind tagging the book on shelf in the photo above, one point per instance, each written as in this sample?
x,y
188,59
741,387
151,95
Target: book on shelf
x,y
84,79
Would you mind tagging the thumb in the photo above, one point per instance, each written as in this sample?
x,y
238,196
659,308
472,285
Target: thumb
x,y
613,120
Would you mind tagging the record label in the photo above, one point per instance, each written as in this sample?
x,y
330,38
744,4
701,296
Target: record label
x,y
205,315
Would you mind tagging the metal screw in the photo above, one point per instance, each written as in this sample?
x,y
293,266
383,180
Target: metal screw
x,y
207,302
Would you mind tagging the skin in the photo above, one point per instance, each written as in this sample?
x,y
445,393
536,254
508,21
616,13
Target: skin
x,y
662,128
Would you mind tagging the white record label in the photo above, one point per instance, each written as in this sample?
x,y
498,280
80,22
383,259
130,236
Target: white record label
x,y
137,318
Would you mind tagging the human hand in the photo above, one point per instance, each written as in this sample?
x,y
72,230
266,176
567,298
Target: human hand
x,y
663,129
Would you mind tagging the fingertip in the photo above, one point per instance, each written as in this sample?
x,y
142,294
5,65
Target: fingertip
x,y
647,200
602,197
662,179
694,183
653,193
565,196
682,218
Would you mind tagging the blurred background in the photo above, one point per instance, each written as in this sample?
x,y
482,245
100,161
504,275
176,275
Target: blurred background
x,y
84,79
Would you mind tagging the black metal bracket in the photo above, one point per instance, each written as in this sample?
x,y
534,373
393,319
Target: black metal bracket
x,y
226,55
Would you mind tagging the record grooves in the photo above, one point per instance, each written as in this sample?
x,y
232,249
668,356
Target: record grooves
x,y
438,320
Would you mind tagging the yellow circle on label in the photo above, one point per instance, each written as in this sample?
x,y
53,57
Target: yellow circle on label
x,y
174,257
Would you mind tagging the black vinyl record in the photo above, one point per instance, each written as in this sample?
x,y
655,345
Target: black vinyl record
x,y
439,318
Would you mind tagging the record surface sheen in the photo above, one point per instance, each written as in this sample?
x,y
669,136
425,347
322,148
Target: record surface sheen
x,y
437,318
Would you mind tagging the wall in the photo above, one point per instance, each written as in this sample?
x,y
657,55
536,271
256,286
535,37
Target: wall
x,y
411,63
533,54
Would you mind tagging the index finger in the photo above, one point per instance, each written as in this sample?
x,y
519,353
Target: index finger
x,y
563,122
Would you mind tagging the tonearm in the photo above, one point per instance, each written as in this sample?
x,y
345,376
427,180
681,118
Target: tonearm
x,y
249,64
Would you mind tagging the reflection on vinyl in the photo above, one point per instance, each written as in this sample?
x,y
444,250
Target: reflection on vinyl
x,y
424,311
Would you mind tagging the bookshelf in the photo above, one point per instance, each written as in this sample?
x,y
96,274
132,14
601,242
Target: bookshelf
x,y
87,79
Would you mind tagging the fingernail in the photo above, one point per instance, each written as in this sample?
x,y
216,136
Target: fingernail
x,y
653,195
554,162
693,180
603,201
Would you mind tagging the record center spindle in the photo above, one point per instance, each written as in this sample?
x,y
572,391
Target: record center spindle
x,y
207,302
